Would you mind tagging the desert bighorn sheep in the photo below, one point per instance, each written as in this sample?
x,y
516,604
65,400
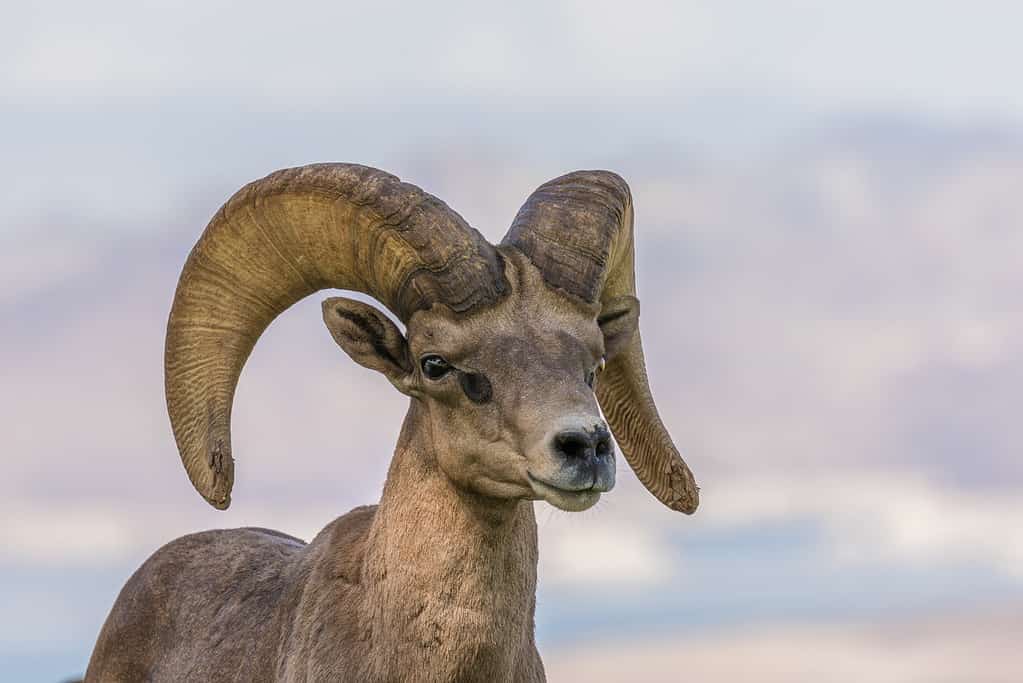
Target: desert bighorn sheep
x,y
437,582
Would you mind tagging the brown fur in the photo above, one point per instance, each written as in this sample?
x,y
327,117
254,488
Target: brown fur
x,y
434,584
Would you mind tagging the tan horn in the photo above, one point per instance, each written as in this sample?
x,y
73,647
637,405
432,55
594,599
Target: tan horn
x,y
578,231
276,241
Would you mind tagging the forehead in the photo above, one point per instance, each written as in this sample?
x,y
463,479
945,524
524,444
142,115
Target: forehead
x,y
531,317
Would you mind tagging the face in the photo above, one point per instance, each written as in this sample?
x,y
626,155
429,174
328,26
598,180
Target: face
x,y
508,390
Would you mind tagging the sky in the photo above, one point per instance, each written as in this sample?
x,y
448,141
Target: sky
x,y
829,250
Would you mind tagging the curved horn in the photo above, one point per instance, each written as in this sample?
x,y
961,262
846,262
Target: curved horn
x,y
577,229
276,241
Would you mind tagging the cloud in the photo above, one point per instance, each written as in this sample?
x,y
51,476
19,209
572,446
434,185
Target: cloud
x,y
603,555
970,647
550,51
872,517
27,268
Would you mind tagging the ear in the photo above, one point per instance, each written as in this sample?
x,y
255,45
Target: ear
x,y
618,321
368,336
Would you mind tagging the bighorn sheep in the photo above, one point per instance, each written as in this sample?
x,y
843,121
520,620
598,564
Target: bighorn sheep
x,y
436,582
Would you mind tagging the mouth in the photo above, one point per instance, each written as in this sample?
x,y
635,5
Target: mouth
x,y
570,500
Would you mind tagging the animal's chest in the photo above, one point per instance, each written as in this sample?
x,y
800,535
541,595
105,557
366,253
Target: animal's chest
x,y
424,639
449,643
418,661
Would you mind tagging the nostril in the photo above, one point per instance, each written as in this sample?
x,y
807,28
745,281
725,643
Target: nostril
x,y
574,444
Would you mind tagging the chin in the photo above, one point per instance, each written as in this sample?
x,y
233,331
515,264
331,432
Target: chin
x,y
569,501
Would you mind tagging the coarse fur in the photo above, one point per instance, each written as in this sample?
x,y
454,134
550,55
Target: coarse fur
x,y
432,584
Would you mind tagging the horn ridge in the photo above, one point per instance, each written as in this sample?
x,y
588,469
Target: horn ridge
x,y
276,241
578,231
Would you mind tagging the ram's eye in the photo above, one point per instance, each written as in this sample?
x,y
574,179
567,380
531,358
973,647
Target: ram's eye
x,y
476,386
434,367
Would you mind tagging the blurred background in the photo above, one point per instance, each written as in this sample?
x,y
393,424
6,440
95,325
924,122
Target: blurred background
x,y
829,203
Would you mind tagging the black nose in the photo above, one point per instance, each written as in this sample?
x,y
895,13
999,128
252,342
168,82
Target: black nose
x,y
575,444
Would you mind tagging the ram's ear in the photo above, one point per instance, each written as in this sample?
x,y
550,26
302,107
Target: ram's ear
x,y
369,337
618,320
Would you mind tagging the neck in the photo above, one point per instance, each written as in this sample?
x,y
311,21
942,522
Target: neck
x,y
455,570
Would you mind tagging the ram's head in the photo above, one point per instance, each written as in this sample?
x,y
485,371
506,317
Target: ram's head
x,y
509,350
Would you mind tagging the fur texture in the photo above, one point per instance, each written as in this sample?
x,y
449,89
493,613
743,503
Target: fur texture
x,y
432,584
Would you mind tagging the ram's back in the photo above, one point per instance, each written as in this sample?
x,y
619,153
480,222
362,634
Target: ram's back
x,y
208,606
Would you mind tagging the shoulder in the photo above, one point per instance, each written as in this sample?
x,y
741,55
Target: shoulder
x,y
344,541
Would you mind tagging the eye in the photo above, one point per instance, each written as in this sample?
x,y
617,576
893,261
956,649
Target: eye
x,y
434,367
476,386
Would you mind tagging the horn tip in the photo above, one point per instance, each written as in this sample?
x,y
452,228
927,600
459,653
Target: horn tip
x,y
215,480
219,503
685,493
688,504
218,493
